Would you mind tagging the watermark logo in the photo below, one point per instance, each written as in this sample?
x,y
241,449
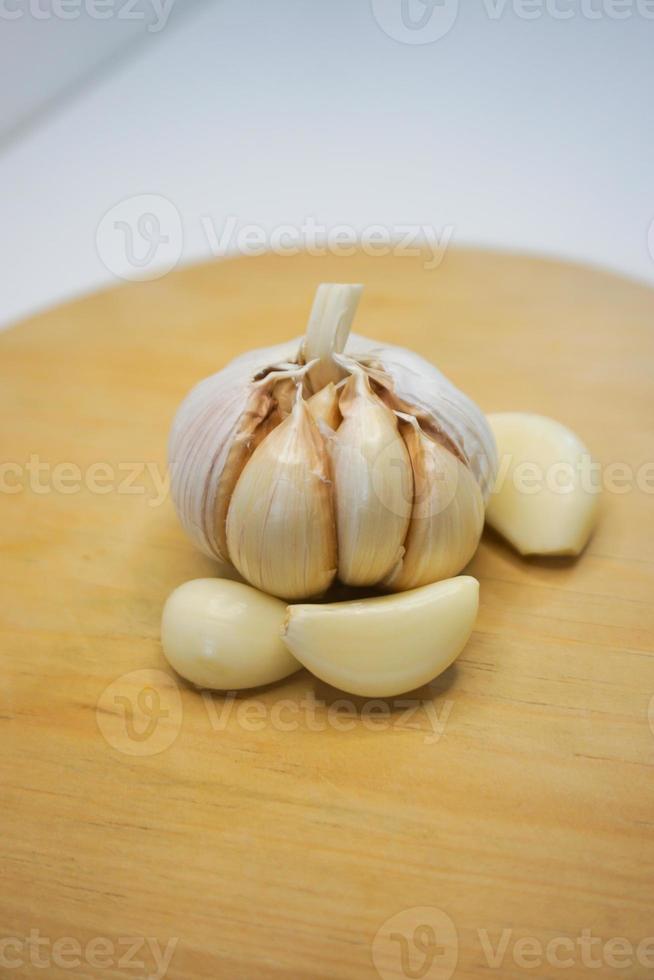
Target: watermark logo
x,y
415,21
426,21
141,237
309,713
42,477
155,13
151,480
419,943
319,239
422,943
140,713
582,953
136,955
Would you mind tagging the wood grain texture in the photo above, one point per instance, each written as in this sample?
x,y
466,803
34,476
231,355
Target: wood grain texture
x,y
267,841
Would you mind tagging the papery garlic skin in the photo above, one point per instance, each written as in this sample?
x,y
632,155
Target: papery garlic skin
x,y
437,404
225,635
387,645
204,429
370,535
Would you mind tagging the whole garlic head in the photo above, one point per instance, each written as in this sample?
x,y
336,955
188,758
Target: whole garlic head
x,y
310,461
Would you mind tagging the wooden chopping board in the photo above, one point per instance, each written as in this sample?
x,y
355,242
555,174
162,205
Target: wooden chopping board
x,y
283,833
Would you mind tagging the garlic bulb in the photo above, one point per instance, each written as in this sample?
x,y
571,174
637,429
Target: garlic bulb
x,y
306,462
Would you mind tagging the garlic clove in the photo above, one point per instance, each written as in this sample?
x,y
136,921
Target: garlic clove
x,y
373,486
225,635
387,645
280,522
541,504
260,417
447,517
284,392
420,389
324,406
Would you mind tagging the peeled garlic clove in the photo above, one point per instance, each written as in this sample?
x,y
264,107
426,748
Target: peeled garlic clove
x,y
225,635
373,486
541,502
388,645
280,524
447,517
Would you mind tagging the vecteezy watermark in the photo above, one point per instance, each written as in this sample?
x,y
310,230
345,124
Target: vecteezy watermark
x,y
152,480
423,943
426,21
319,239
141,237
567,9
313,714
139,957
415,21
565,952
650,239
564,476
41,477
140,713
154,12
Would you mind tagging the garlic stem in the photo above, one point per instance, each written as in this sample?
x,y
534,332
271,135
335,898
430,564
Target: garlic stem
x,y
330,322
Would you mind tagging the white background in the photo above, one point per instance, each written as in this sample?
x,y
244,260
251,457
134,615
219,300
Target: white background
x,y
533,134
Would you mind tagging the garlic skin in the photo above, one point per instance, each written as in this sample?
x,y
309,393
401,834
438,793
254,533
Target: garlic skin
x,y
294,463
552,513
354,645
224,635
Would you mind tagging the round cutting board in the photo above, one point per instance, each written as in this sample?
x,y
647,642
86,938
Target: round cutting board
x,y
291,831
